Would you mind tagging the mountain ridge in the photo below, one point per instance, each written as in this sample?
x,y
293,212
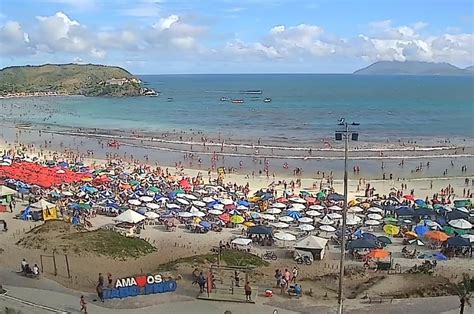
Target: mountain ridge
x,y
414,68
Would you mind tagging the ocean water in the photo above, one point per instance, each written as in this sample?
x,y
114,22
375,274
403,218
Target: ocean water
x,y
305,108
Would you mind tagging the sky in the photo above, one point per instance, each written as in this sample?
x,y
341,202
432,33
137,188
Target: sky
x,y
236,36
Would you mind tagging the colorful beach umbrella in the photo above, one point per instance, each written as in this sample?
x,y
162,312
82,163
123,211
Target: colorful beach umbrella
x,y
378,254
237,219
391,229
437,235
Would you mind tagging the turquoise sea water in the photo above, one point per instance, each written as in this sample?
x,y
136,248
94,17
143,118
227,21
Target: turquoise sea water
x,y
304,108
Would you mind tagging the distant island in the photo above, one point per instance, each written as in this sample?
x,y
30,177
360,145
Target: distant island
x,y
414,68
70,79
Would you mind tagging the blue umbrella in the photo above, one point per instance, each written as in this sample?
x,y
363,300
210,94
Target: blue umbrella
x,y
421,230
141,210
23,191
440,257
244,203
205,224
294,214
369,237
420,202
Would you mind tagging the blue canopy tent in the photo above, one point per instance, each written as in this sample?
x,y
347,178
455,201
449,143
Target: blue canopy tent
x,y
458,242
405,212
336,197
260,230
361,244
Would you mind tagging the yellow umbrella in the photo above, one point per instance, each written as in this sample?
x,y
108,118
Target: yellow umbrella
x,y
353,203
197,220
391,229
86,179
249,224
236,219
364,205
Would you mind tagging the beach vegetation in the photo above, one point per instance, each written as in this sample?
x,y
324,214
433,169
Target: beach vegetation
x,y
70,79
60,236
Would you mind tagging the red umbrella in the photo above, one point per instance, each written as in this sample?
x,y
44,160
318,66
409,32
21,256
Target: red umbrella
x,y
409,197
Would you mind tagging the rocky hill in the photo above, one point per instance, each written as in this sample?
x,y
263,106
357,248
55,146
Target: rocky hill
x,y
413,68
70,79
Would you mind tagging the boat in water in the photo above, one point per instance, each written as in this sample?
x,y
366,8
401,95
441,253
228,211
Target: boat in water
x,y
225,98
253,92
237,101
267,100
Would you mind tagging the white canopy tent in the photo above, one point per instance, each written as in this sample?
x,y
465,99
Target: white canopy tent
x,y
130,216
313,244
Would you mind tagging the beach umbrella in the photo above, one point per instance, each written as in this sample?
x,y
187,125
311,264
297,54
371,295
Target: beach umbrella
x,y
208,199
352,222
327,228
226,201
409,197
152,215
268,217
198,214
283,236
316,207
134,202
305,227
199,203
372,222
440,257
470,237
374,216
286,219
146,199
460,224
255,215
215,212
463,209
153,189
313,213
298,200
218,206
378,254
421,230
335,216
411,234
335,208
391,229
384,240
242,207
436,235
294,215
249,224
326,221
355,209
182,201
305,220
458,241
237,219
172,206
205,224
279,225
375,210
185,214
152,206
189,197
273,211
279,205
224,217
456,214
390,220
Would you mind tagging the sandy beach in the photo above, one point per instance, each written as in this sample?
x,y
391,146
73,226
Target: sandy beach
x,y
173,245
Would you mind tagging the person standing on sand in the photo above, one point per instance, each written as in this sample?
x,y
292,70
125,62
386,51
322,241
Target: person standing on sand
x,y
109,279
248,292
83,304
100,293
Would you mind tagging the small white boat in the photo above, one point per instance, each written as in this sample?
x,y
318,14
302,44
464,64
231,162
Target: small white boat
x,y
267,100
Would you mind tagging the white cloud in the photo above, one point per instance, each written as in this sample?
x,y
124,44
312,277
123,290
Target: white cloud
x,y
13,40
166,23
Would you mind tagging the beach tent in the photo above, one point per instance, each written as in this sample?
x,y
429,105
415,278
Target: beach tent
x,y
5,191
313,244
361,244
130,216
259,230
49,209
241,241
458,242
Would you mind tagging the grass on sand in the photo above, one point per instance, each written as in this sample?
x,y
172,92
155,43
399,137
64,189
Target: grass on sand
x,y
229,257
66,238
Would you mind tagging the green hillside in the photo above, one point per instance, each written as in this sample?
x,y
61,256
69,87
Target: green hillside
x,y
72,79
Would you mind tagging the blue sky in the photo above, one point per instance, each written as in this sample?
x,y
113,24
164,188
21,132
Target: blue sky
x,y
241,36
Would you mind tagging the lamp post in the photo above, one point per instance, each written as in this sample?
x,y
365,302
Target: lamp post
x,y
344,134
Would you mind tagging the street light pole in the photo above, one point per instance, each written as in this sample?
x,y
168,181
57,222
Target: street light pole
x,y
339,134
